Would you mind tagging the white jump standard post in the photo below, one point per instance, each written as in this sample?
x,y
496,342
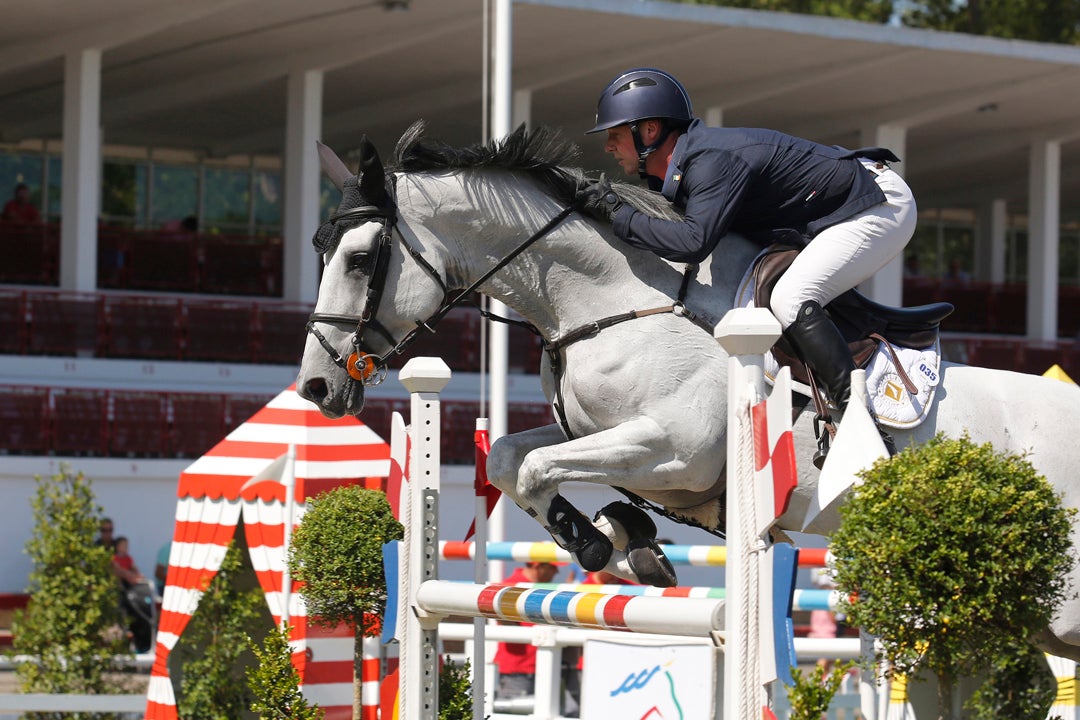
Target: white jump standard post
x,y
746,334
424,378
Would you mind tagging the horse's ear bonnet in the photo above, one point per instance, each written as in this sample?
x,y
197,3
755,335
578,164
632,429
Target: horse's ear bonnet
x,y
368,189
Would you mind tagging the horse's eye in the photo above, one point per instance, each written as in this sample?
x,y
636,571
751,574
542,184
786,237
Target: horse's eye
x,y
358,261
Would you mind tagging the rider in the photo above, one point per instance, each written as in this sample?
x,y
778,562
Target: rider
x,y
853,212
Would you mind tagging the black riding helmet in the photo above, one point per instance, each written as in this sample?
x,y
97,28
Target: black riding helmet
x,y
643,94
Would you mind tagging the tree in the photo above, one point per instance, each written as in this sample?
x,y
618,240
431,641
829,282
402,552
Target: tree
x,y
336,558
212,649
72,625
878,11
275,684
952,555
1054,21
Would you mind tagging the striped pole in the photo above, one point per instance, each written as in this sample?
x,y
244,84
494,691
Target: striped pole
x,y
693,617
803,600
696,555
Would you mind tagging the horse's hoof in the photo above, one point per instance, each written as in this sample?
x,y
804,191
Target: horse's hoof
x,y
650,564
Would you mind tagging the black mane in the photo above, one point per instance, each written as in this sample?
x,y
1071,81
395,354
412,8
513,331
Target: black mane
x,y
542,153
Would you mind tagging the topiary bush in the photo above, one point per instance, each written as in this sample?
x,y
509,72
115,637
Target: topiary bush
x,y
336,558
952,554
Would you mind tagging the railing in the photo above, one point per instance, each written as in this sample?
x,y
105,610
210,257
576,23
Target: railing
x,y
106,325
176,327
113,423
179,261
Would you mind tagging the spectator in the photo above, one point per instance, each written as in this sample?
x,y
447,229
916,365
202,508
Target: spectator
x,y
105,534
124,565
517,661
136,600
19,210
161,568
956,274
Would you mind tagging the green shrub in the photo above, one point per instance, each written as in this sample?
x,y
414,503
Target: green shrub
x,y
455,691
953,554
274,682
72,626
335,556
811,694
213,650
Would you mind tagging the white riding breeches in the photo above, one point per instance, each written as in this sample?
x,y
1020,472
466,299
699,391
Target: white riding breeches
x,y
843,255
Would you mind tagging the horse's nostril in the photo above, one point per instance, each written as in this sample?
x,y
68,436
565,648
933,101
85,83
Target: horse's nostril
x,y
315,390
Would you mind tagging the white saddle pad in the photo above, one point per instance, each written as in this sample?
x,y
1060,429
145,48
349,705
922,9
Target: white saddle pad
x,y
890,400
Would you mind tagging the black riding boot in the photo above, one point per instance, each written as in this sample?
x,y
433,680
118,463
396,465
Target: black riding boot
x,y
820,345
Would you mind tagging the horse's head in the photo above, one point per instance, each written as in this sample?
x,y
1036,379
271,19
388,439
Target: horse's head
x,y
370,299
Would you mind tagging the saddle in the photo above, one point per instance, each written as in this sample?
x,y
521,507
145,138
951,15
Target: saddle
x,y
864,323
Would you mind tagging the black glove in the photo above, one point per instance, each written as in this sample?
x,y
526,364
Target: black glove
x,y
596,199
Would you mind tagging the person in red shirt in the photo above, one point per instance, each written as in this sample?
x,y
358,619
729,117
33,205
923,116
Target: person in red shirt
x,y
19,210
517,661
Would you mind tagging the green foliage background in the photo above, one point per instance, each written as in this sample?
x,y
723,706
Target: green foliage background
x,y
954,555
1054,21
213,649
274,682
72,625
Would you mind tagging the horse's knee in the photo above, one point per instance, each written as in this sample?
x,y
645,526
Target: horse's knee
x,y
502,465
535,481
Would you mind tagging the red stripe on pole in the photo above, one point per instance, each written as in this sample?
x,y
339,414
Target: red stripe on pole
x,y
760,423
454,550
613,611
485,603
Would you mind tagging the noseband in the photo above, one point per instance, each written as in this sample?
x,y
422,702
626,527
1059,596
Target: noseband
x,y
371,369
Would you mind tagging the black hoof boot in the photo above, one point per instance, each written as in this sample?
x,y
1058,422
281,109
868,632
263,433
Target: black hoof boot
x,y
650,564
573,532
644,555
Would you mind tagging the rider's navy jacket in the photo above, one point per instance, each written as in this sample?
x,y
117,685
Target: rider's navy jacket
x,y
750,181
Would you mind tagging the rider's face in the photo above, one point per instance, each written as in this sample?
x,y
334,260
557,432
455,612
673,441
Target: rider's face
x,y
620,143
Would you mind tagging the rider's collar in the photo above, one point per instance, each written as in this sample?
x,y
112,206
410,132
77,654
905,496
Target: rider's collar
x,y
674,170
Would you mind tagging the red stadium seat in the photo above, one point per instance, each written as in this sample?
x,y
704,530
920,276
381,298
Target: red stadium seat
x,y
161,261
1000,355
143,327
282,334
137,424
220,331
233,266
62,323
13,326
24,421
197,423
79,422
240,408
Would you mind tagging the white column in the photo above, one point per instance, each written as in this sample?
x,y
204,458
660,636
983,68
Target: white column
x,y
990,241
1044,200
502,107
81,175
887,286
300,216
522,109
714,116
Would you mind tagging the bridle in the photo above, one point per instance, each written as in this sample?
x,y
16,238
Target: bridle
x,y
369,368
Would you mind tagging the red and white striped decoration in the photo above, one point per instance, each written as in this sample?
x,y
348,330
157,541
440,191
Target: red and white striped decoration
x,y
243,474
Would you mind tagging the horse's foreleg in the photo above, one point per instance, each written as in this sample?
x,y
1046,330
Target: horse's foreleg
x,y
636,454
568,527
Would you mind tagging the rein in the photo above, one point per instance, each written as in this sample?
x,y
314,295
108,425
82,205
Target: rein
x,y
371,369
